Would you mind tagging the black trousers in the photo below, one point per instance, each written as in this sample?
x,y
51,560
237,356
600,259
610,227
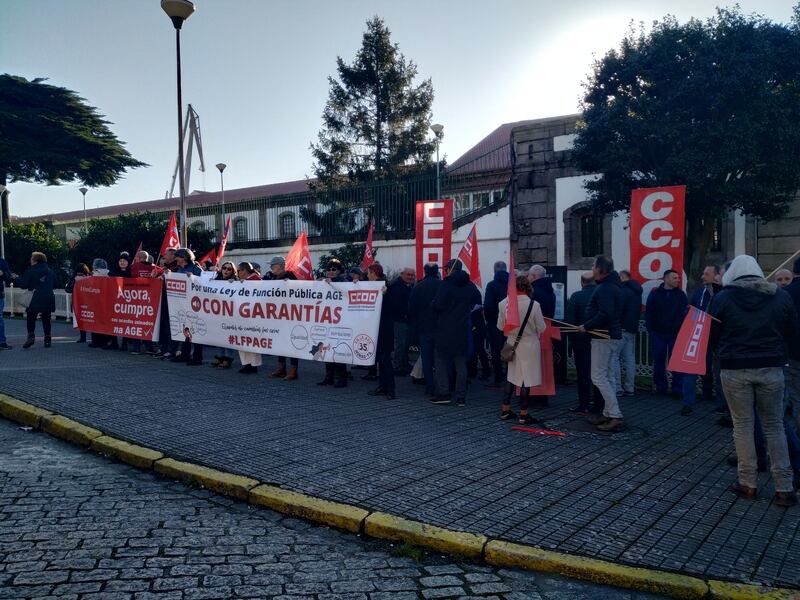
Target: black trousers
x,y
496,341
335,371
192,351
478,353
46,325
589,397
385,369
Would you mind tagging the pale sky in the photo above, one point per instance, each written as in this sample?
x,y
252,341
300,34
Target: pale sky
x,y
256,73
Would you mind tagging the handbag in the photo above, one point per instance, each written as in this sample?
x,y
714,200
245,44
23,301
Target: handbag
x,y
508,351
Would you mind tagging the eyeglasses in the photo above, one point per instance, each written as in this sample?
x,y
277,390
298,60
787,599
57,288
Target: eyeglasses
x,y
227,268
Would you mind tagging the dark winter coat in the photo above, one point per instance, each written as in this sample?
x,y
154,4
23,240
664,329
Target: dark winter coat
x,y
793,289
544,294
496,291
286,275
757,319
421,317
386,325
5,278
701,298
631,306
665,310
192,268
399,294
605,307
575,312
452,307
41,280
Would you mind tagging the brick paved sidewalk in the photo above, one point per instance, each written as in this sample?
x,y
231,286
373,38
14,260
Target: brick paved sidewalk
x,y
653,496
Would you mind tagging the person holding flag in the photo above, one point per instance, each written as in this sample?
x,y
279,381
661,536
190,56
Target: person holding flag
x,y
525,368
278,272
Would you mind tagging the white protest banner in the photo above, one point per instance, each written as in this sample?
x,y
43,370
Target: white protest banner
x,y
314,320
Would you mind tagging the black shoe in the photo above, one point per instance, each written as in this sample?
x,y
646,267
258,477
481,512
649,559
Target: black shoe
x,y
5,346
579,410
379,391
461,402
48,343
327,381
341,383
420,381
528,420
366,377
248,369
686,411
390,395
29,342
507,415
444,399
194,363
180,358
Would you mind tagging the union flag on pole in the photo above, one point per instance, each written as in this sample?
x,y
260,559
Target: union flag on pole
x,y
469,256
210,255
224,241
369,255
298,261
691,345
512,306
171,239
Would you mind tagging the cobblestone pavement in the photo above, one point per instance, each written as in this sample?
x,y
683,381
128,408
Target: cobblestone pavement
x,y
653,496
76,525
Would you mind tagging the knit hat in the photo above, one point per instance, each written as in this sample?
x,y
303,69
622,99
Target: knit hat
x,y
125,256
743,265
99,263
277,260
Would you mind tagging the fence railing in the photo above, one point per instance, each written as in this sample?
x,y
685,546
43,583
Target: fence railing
x,y
17,301
642,352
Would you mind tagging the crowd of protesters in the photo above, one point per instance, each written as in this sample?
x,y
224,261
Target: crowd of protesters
x,y
752,365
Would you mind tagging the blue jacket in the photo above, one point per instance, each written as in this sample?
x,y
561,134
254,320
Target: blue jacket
x,y
496,292
5,278
701,298
631,306
604,310
665,310
544,294
190,268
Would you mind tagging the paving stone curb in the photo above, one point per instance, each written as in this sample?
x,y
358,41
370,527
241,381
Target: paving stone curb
x,y
383,525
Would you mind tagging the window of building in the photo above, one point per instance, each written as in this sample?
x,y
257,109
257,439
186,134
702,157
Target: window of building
x,y
716,235
240,229
462,204
591,226
287,226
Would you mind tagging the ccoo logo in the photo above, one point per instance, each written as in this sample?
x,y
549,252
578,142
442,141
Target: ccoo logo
x,y
362,297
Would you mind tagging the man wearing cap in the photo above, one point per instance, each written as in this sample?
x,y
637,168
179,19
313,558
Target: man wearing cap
x,y
335,373
191,353
278,272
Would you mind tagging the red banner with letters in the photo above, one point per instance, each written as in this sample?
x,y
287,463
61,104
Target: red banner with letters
x,y
434,233
691,345
657,234
127,307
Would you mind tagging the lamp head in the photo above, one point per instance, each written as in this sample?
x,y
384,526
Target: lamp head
x,y
437,129
221,167
83,190
178,10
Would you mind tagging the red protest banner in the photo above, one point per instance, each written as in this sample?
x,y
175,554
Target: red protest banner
x,y
128,307
512,317
469,256
657,234
691,345
434,232
298,261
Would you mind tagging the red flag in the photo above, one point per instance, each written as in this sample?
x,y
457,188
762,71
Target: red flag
x,y
224,241
548,385
136,256
369,255
298,261
689,352
210,255
469,256
512,306
171,239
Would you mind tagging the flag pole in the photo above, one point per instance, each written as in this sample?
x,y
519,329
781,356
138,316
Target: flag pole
x,y
783,264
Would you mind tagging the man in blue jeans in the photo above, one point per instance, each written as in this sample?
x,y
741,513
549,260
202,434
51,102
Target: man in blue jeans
x,y
663,315
5,279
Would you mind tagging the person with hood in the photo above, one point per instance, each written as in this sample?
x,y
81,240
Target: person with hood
x,y
754,321
41,280
422,321
452,307
525,370
223,357
663,315
335,373
6,276
81,271
496,291
631,313
605,312
278,272
386,331
589,398
191,353
701,298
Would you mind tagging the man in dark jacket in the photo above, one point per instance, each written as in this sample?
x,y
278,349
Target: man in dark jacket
x,y
756,319
5,279
452,306
604,313
793,370
335,373
663,315
631,312
543,291
589,397
701,298
41,280
277,272
496,291
398,294
422,321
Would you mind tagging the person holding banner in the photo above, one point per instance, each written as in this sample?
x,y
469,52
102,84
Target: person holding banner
x,y
223,358
41,280
605,312
386,331
81,271
99,269
663,315
191,354
754,320
250,360
335,373
278,272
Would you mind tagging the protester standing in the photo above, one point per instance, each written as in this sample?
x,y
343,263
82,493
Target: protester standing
x,y
41,280
422,321
190,353
335,373
525,370
604,312
664,313
81,271
223,358
386,331
250,360
496,291
452,306
5,279
631,314
589,398
398,295
278,272
756,319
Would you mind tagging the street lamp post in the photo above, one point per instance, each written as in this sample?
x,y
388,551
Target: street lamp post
x,y
437,132
221,167
83,191
178,11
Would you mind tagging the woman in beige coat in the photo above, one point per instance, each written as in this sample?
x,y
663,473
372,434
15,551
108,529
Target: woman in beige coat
x,y
525,371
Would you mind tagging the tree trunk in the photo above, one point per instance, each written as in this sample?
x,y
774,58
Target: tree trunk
x,y
698,241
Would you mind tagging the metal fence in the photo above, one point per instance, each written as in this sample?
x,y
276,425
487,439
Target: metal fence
x,y
642,352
